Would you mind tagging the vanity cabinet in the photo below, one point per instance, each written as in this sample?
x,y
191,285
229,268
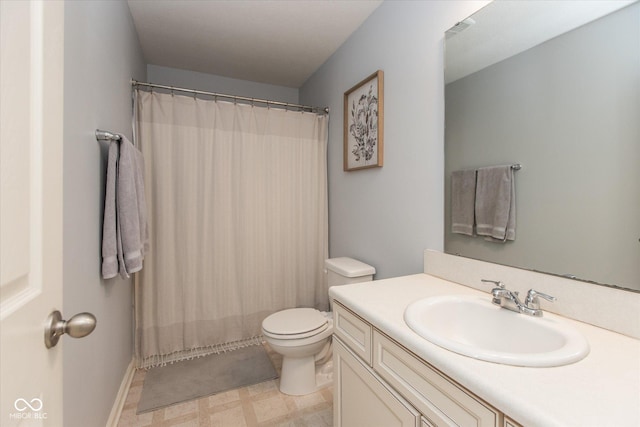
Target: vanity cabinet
x,y
380,383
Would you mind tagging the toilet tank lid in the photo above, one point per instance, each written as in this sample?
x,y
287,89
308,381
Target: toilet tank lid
x,y
349,267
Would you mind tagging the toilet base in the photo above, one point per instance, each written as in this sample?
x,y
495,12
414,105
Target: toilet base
x,y
301,376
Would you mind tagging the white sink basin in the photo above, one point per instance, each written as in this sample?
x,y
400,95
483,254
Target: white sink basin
x,y
474,327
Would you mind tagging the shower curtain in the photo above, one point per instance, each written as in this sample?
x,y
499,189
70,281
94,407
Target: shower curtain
x,y
237,199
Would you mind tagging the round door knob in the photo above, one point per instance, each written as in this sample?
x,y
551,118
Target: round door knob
x,y
80,325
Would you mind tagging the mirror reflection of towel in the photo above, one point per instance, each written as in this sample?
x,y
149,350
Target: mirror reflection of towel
x,y
463,199
495,206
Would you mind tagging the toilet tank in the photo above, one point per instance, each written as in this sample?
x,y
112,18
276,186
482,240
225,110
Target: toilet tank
x,y
343,271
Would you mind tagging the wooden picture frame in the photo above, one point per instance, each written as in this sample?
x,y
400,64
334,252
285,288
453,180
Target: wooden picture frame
x,y
363,123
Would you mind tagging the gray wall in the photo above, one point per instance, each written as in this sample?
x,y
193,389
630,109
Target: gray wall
x,y
102,54
212,83
569,111
387,216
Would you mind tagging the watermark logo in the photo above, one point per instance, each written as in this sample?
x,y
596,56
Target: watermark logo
x,y
22,405
28,409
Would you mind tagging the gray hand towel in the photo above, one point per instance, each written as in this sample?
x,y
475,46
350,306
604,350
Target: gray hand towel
x,y
496,203
463,198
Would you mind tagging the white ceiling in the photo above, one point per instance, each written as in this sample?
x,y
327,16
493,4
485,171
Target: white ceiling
x,y
273,41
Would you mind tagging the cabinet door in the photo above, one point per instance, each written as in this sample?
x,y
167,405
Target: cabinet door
x,y
360,399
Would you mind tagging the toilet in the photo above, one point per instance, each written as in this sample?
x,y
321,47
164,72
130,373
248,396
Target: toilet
x,y
303,335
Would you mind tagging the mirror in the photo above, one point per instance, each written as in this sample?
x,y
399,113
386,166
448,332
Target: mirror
x,y
554,86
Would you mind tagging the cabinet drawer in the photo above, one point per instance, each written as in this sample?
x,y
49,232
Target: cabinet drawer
x,y
441,401
353,331
361,398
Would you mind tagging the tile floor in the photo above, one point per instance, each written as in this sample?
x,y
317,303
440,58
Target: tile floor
x,y
260,405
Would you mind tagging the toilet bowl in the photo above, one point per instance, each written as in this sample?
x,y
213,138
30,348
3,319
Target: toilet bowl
x,y
300,335
303,335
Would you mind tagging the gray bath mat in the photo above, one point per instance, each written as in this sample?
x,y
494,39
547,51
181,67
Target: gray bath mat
x,y
204,376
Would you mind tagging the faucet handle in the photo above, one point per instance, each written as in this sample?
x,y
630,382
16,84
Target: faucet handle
x,y
532,299
495,282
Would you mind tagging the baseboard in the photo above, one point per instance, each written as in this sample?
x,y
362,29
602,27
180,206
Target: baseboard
x,y
121,397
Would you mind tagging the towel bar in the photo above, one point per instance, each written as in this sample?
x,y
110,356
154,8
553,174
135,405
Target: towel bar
x,y
103,135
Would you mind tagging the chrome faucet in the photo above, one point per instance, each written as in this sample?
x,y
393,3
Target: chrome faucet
x,y
509,299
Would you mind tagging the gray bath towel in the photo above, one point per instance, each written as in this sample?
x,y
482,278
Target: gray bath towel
x,y
125,235
463,198
131,208
109,233
496,203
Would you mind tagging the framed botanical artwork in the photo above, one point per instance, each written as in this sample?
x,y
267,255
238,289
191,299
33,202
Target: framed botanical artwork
x,y
363,123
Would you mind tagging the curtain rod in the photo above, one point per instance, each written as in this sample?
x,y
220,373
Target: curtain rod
x,y
324,110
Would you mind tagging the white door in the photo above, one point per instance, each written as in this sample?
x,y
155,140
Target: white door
x,y
31,126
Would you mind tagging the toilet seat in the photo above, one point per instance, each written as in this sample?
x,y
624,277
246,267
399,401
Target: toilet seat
x,y
295,323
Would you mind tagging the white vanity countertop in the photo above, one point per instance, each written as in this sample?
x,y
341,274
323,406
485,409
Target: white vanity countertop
x,y
603,389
